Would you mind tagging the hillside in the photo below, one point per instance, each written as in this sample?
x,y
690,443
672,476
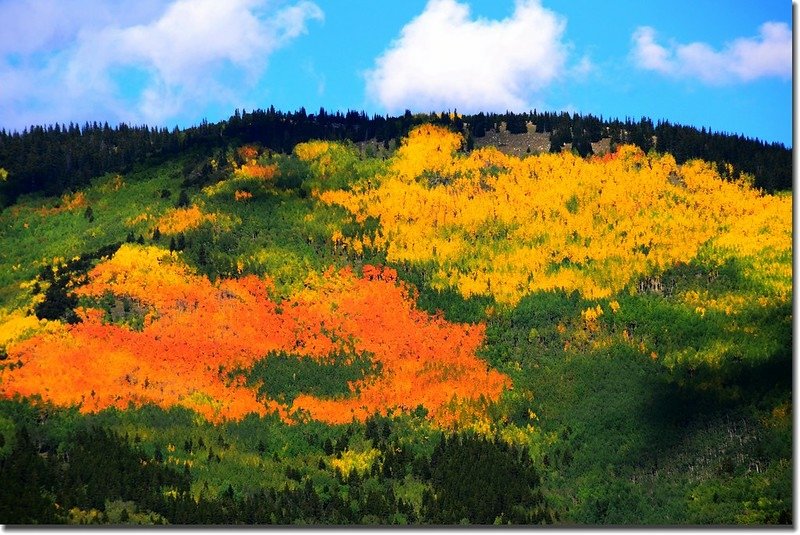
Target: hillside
x,y
62,158
225,329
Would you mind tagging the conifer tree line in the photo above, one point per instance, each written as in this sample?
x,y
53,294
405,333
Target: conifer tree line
x,y
57,158
53,476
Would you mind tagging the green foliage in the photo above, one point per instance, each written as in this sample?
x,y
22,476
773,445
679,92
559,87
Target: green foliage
x,y
484,482
572,205
58,302
282,376
45,476
32,235
340,168
755,498
448,302
623,434
7,432
121,311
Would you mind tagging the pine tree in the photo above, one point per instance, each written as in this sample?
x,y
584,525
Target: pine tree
x,y
183,200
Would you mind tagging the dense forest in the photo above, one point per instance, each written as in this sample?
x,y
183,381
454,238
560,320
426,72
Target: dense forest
x,y
58,158
333,319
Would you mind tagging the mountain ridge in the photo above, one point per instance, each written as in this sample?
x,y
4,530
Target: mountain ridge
x,y
58,158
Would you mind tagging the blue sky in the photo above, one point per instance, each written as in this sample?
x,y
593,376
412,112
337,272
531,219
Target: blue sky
x,y
725,65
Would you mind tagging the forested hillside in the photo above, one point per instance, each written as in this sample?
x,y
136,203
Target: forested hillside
x,y
58,158
334,319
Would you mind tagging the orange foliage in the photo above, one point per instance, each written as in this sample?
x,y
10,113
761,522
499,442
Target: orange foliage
x,y
241,195
183,219
247,152
68,203
256,170
196,332
73,202
425,360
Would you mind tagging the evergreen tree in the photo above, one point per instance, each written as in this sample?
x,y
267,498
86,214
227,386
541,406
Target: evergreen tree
x,y
183,200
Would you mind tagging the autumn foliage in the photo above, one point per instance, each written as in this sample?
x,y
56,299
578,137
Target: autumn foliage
x,y
67,203
482,223
182,219
195,333
258,171
499,225
242,195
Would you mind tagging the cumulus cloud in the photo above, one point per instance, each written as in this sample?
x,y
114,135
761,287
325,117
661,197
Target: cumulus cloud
x,y
182,54
444,59
743,60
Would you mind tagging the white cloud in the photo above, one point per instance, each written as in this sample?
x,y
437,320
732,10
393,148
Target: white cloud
x,y
33,25
444,59
743,60
186,54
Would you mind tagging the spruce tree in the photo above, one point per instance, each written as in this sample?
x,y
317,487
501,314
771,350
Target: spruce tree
x,y
183,200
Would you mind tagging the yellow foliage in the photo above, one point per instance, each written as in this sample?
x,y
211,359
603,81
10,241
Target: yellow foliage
x,y
590,317
518,436
17,326
494,224
144,216
147,274
361,461
427,148
311,150
729,303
